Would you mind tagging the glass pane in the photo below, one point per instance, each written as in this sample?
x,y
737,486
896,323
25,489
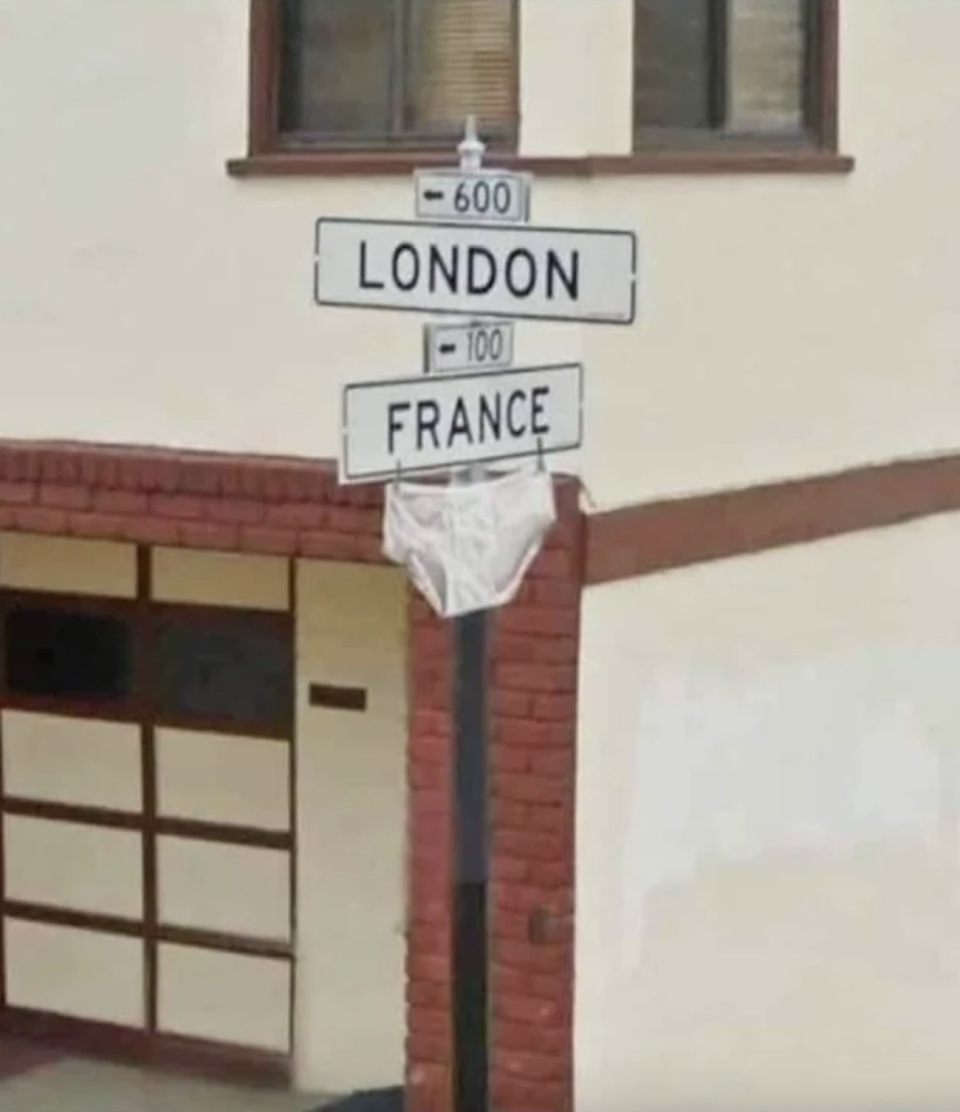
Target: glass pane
x,y
671,59
461,62
68,655
337,73
224,667
767,53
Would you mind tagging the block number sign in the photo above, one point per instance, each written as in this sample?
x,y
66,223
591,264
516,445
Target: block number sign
x,y
481,195
473,345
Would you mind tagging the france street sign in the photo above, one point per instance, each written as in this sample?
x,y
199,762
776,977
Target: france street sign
x,y
436,422
470,346
478,270
494,196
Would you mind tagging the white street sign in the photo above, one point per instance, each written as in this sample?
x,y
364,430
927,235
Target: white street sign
x,y
495,196
471,346
477,270
435,422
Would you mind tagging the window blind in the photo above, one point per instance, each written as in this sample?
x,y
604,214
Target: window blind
x,y
466,65
766,65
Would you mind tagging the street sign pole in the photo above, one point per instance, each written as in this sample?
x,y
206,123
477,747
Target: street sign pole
x,y
471,851
470,950
468,194
472,258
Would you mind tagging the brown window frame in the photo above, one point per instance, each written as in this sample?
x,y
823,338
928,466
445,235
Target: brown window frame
x,y
268,156
821,78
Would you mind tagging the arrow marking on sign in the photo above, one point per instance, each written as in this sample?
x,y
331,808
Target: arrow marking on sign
x,y
474,345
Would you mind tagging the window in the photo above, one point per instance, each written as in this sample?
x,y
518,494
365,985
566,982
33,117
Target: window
x,y
63,654
224,668
748,70
389,73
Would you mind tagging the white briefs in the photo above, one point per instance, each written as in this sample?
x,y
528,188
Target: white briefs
x,y
468,546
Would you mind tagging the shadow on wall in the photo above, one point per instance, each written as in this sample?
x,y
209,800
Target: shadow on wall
x,y
791,921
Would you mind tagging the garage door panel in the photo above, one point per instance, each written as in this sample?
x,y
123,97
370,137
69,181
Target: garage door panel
x,y
210,777
183,575
78,761
34,562
73,972
224,997
69,865
224,888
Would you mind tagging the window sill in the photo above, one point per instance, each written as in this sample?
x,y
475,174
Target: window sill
x,y
385,164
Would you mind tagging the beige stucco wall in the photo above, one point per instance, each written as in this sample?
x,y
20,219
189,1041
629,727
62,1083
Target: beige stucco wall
x,y
351,825
787,324
768,830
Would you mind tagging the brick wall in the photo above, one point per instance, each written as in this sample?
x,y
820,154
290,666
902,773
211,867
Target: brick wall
x,y
293,508
257,505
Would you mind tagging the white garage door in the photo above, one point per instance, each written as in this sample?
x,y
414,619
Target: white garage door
x,y
148,828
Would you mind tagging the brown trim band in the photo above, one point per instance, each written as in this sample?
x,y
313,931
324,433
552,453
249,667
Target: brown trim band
x,y
292,811
171,933
126,1044
123,713
57,916
659,536
128,606
245,945
127,711
148,792
83,815
225,833
164,826
714,161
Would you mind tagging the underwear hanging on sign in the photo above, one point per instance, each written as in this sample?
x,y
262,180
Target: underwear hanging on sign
x,y
468,547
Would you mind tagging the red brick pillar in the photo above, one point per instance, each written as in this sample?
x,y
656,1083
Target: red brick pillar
x,y
533,779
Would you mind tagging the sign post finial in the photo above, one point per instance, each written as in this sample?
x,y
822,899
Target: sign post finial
x,y
472,147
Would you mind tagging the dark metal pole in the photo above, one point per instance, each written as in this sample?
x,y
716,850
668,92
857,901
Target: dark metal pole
x,y
471,1055
470,865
